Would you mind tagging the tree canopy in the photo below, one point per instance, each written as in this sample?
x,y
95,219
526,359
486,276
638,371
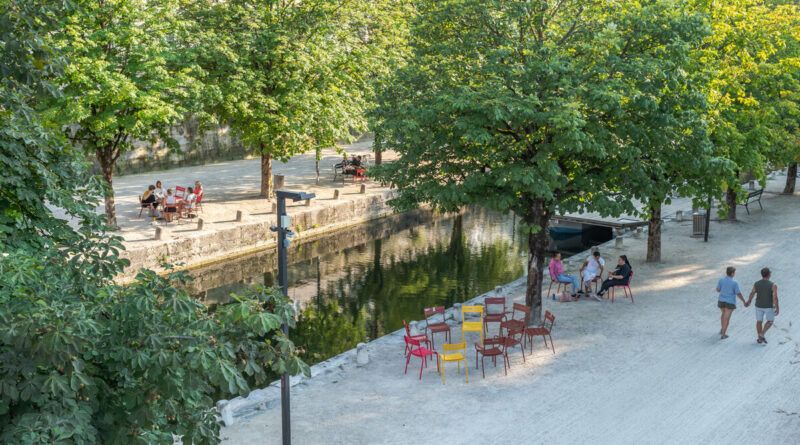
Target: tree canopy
x,y
535,108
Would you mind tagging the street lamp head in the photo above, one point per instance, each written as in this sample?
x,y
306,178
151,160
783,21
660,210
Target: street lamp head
x,y
294,196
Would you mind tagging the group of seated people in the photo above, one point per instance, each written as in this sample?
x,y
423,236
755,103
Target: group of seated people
x,y
591,271
353,166
171,204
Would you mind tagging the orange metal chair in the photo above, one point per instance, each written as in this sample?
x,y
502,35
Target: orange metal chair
x,y
626,288
435,328
493,317
456,352
471,326
543,331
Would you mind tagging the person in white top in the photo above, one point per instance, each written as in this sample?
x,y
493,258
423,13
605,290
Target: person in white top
x,y
170,205
592,268
159,191
188,203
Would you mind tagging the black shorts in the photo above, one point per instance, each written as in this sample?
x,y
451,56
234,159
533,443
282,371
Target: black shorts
x,y
171,209
724,305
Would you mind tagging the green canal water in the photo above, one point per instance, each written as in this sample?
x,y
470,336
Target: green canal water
x,y
359,284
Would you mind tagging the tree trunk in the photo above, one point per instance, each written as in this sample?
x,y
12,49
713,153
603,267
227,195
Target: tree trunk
x,y
537,249
318,156
791,179
377,148
654,234
266,175
730,200
106,159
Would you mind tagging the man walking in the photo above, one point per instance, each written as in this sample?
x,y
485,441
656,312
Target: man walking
x,y
766,293
728,290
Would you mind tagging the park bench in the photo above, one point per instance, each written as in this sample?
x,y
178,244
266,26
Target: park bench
x,y
754,196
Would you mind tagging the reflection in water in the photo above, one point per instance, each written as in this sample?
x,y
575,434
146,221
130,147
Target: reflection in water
x,y
359,285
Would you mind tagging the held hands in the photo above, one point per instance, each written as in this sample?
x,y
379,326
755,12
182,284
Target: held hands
x,y
777,310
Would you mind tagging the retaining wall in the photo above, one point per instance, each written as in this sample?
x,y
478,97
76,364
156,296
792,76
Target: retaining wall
x,y
248,237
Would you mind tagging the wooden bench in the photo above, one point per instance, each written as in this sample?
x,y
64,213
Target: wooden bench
x,y
754,196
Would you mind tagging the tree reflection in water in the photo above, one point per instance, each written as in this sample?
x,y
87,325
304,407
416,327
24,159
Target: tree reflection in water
x,y
365,304
359,284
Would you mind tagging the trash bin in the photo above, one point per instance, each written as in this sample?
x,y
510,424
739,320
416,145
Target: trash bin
x,y
698,224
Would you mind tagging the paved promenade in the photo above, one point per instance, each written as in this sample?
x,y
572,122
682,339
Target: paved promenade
x,y
653,372
231,186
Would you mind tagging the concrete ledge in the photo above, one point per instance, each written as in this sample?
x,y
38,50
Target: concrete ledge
x,y
210,247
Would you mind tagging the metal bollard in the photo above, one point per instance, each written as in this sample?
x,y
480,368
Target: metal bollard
x,y
308,203
238,216
679,216
618,239
363,189
158,234
336,194
199,223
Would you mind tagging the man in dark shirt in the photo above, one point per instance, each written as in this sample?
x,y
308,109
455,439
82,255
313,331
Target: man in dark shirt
x,y
619,277
766,293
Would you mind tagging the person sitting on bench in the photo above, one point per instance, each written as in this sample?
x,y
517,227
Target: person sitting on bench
x,y
619,277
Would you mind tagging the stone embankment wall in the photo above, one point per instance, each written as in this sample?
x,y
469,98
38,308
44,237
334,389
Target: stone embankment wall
x,y
244,238
196,146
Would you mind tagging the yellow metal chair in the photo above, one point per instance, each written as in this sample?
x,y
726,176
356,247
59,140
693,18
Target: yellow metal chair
x,y
455,352
472,326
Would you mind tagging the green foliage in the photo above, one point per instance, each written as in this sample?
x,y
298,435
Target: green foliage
x,y
83,360
532,107
749,64
294,75
125,77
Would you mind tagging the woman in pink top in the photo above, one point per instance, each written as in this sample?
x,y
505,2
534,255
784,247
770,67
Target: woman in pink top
x,y
557,274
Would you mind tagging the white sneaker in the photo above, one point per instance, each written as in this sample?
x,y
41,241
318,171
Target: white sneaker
x,y
597,297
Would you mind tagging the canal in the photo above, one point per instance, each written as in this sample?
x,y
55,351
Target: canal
x,y
361,283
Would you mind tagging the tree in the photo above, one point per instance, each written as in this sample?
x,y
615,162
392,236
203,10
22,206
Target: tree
x,y
743,61
523,107
125,79
670,153
83,360
293,76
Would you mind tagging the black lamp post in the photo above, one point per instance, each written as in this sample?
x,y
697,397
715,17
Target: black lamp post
x,y
284,238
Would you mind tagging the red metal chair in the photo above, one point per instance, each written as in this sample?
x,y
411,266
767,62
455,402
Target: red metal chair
x,y
515,337
198,204
422,338
436,328
180,192
422,353
520,315
626,288
542,331
492,347
493,317
559,285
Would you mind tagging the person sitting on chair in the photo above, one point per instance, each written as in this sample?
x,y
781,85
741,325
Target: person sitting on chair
x,y
188,203
592,268
619,277
170,205
556,268
149,200
352,166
